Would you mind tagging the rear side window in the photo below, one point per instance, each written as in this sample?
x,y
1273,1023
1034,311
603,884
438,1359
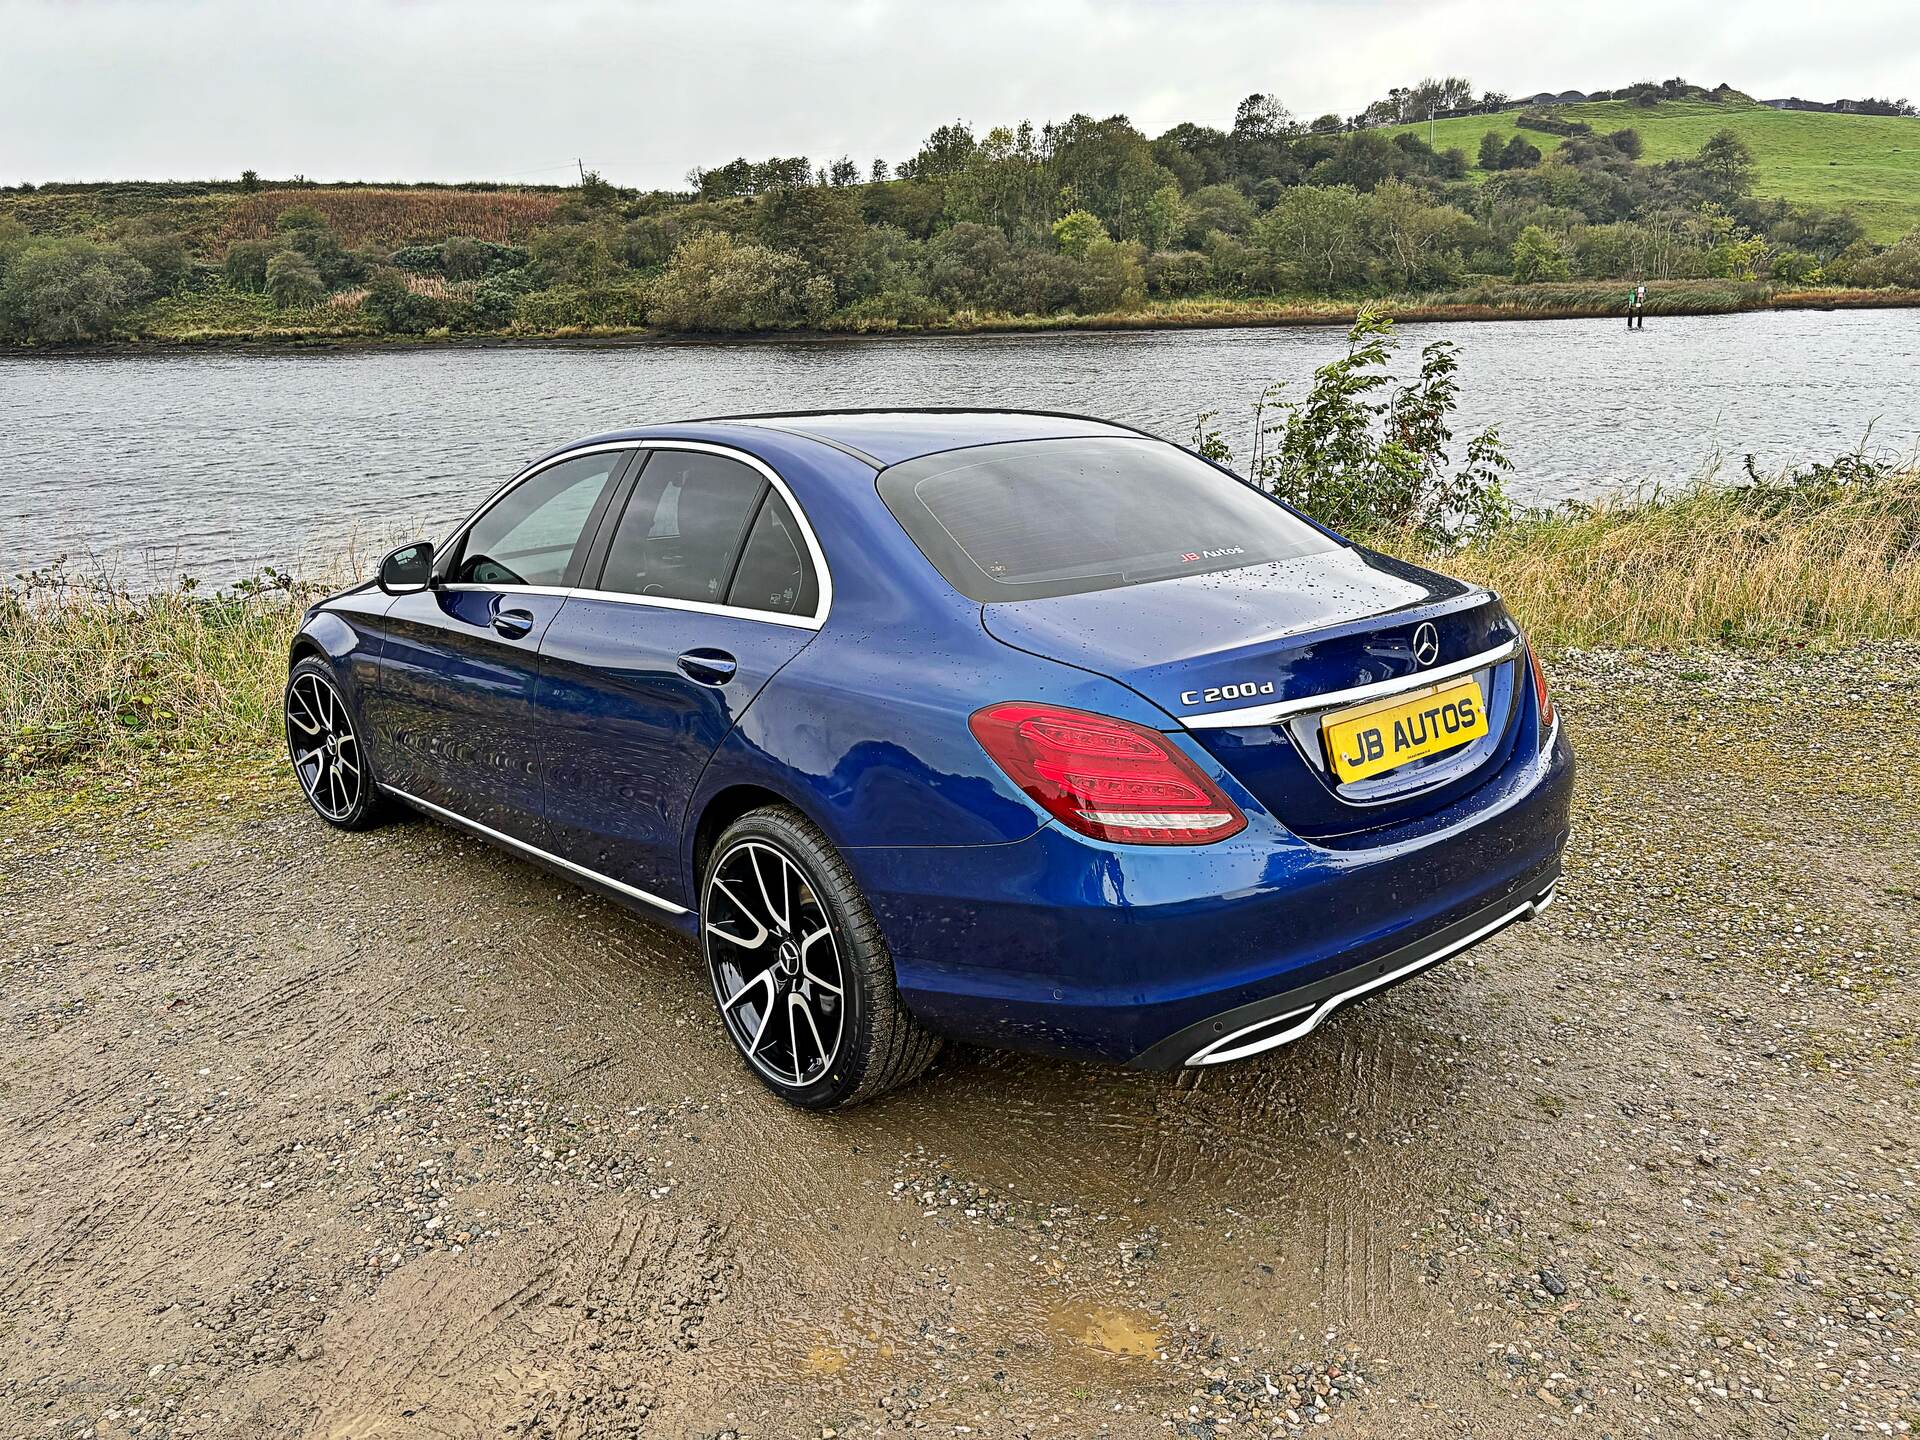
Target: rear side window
x,y
527,536
1061,517
775,571
683,527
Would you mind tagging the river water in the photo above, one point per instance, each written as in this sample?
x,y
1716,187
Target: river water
x,y
215,464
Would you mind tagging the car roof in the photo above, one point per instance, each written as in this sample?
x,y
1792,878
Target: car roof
x,y
887,437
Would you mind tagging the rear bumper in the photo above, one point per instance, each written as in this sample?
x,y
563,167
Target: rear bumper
x,y
1150,955
1295,1014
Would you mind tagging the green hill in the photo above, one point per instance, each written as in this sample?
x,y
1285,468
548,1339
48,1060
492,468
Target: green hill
x,y
1867,163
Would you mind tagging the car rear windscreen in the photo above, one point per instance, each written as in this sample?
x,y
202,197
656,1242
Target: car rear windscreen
x,y
1060,517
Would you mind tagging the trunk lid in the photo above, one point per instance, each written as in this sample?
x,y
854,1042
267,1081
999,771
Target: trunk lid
x,y
1249,660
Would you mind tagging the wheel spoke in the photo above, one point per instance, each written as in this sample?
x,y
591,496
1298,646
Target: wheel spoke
x,y
778,917
735,998
765,1016
793,1035
806,973
760,931
819,1045
305,719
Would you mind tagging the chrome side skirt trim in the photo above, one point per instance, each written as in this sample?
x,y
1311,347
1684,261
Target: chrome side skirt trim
x,y
1303,1022
1276,711
534,850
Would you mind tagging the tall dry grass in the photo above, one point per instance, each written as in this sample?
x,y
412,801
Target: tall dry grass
x,y
394,216
91,673
1828,563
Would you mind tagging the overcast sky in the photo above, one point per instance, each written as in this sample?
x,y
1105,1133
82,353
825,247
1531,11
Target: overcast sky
x,y
433,90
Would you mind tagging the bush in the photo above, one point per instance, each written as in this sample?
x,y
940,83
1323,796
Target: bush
x,y
401,309
292,281
460,257
1174,274
575,307
970,264
577,255
495,300
1519,154
1548,123
164,254
1370,466
1897,267
1536,256
1077,231
1111,277
247,261
1794,267
718,283
893,307
66,290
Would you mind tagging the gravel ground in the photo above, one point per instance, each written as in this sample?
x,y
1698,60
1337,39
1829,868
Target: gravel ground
x,y
305,1134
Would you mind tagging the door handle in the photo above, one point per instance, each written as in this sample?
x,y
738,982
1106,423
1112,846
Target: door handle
x,y
513,623
709,667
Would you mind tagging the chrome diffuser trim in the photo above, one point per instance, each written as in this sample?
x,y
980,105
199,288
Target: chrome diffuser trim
x,y
1301,1023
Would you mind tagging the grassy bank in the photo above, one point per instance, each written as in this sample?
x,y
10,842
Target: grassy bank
x,y
1868,163
104,691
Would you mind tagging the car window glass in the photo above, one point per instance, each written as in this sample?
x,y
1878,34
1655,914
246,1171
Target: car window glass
x,y
1059,517
682,527
775,572
528,536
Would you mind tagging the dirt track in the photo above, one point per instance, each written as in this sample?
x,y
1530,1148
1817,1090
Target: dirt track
x,y
304,1134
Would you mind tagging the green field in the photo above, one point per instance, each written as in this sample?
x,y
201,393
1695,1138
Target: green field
x,y
1867,163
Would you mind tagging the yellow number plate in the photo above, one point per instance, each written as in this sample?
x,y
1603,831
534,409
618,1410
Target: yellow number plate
x,y
1371,739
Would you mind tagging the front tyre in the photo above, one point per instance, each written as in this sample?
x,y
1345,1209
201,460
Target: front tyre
x,y
802,978
328,759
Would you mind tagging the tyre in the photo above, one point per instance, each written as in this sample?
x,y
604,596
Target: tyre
x,y
802,978
328,759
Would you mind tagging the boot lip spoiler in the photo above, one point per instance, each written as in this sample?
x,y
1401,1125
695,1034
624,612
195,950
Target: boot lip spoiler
x,y
1272,713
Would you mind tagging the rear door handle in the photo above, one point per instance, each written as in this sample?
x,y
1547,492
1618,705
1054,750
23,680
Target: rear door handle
x,y
514,624
709,667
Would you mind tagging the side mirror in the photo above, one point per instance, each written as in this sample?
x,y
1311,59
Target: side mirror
x,y
408,570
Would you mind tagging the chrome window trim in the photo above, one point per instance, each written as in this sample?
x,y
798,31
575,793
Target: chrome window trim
x,y
505,839
1276,711
822,607
499,493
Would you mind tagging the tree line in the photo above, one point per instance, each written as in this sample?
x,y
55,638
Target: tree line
x,y
1084,216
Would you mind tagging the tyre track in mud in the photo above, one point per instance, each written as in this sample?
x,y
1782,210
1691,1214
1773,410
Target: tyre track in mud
x,y
390,1136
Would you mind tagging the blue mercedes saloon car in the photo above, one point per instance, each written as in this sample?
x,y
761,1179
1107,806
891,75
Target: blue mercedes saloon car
x,y
1031,730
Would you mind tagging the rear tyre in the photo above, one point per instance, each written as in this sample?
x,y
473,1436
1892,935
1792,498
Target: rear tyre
x,y
328,759
802,977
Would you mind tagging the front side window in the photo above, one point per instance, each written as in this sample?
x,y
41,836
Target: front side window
x,y
527,537
682,528
1030,518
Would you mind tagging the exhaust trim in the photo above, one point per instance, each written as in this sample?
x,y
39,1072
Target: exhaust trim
x,y
1277,1030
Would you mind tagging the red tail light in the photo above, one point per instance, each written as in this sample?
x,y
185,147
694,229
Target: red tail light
x,y
1107,778
1540,695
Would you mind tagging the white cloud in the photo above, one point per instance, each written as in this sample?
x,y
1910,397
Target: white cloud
x,y
443,91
